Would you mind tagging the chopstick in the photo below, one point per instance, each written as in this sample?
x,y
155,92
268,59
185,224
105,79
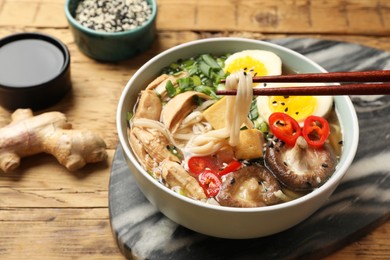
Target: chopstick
x,y
326,90
357,88
355,76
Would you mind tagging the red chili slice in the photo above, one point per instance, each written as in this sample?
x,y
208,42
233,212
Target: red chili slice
x,y
199,164
284,127
231,167
315,131
210,183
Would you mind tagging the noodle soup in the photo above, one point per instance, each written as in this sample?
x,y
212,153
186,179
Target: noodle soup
x,y
234,151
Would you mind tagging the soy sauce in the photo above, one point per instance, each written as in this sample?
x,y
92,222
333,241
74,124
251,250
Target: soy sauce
x,y
29,62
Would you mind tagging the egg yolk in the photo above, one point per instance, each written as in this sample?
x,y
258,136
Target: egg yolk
x,y
247,63
298,107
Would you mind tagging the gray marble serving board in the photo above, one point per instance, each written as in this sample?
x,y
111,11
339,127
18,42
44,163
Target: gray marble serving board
x,y
359,204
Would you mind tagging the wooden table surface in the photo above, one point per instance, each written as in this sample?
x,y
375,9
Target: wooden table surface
x,y
47,212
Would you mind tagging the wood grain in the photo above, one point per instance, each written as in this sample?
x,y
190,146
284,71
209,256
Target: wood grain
x,y
285,16
49,213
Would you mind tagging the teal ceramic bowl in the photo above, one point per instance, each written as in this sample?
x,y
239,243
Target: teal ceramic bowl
x,y
111,46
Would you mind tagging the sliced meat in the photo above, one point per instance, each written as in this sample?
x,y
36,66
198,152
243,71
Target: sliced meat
x,y
175,175
149,106
150,146
178,108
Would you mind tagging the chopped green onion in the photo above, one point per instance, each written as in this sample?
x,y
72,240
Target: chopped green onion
x,y
184,83
188,63
203,89
196,80
211,61
253,113
221,61
264,128
204,68
174,66
174,151
171,90
193,70
206,81
203,71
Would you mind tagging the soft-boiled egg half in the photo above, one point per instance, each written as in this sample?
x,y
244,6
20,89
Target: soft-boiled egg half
x,y
298,107
258,62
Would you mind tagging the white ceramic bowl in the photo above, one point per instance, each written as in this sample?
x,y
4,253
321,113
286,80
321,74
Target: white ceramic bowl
x,y
229,222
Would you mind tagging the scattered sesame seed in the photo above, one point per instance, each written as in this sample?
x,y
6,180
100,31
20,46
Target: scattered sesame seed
x,y
286,109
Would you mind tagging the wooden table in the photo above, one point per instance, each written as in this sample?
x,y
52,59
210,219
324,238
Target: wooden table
x,y
48,212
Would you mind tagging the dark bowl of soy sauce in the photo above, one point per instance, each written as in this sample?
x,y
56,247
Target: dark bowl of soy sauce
x,y
34,71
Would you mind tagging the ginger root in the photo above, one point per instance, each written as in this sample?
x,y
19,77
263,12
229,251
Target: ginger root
x,y
50,133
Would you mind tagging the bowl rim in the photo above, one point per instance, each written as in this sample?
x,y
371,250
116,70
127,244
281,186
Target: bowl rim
x,y
328,185
84,29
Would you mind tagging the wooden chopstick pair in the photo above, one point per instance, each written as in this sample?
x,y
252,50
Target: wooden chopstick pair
x,y
360,83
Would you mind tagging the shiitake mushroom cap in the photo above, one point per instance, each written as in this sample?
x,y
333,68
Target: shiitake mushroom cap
x,y
300,167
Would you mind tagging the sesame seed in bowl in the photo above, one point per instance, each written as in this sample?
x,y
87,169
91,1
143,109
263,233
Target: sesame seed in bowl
x,y
114,15
112,30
